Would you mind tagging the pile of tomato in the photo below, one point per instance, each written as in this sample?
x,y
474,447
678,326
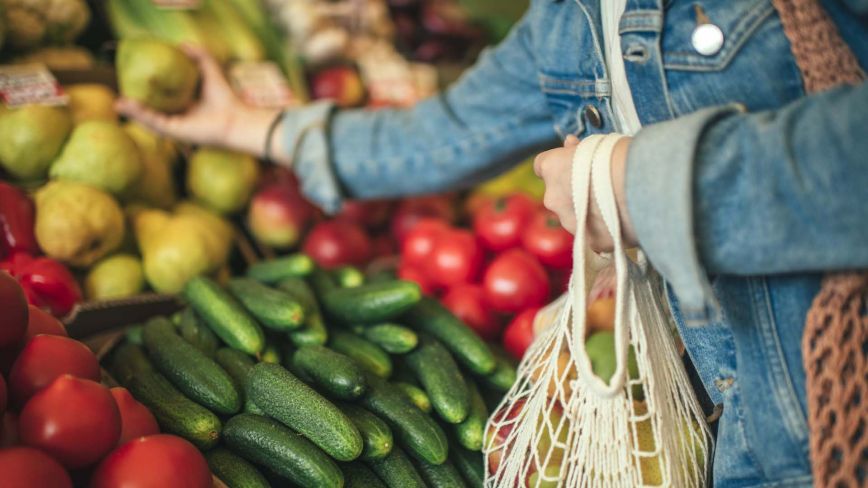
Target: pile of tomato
x,y
61,426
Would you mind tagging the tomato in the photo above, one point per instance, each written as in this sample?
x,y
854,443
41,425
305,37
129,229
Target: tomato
x,y
456,258
501,222
412,210
338,242
419,242
515,281
519,333
157,461
44,358
548,241
467,302
38,322
372,214
13,320
9,430
410,273
25,467
75,420
136,419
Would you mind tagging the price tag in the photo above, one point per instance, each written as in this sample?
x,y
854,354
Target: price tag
x,y
261,84
177,4
28,84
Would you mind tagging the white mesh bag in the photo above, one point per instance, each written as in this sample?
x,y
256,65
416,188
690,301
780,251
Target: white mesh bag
x,y
562,426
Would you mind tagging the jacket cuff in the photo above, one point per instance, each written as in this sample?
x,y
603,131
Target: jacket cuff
x,y
660,202
305,132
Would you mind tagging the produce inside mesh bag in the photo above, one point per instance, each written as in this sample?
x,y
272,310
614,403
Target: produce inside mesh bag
x,y
575,417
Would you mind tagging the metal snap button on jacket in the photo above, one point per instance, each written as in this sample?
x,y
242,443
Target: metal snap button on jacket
x,y
707,39
593,116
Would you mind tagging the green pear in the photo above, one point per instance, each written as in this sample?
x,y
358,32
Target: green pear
x,y
101,154
156,74
30,138
155,187
173,256
601,351
116,276
77,223
222,180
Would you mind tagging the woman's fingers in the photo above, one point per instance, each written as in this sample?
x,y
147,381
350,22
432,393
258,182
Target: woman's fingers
x,y
150,118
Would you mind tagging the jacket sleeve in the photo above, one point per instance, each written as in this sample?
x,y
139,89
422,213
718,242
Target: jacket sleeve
x,y
753,193
491,118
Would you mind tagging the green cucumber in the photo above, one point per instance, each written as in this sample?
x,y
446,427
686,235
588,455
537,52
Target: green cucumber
x,y
415,395
267,442
369,355
439,475
349,276
225,316
191,371
279,269
284,397
314,331
504,375
274,309
335,374
381,275
393,338
376,435
396,470
415,430
441,379
470,464
271,354
197,333
250,407
357,475
365,304
236,363
134,334
471,431
175,413
233,470
431,317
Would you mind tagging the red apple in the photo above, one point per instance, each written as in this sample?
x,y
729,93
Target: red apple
x,y
339,83
278,216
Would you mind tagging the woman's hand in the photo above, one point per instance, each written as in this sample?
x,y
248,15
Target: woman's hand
x,y
555,168
219,118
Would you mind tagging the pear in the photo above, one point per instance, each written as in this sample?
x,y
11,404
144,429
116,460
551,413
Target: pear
x,y
77,223
30,138
116,276
222,180
213,228
91,101
101,154
156,74
155,187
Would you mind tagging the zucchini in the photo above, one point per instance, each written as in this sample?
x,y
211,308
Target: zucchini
x,y
357,475
376,435
365,304
265,441
193,373
284,397
335,374
197,333
396,470
393,338
279,269
415,395
226,317
274,309
367,354
233,470
441,379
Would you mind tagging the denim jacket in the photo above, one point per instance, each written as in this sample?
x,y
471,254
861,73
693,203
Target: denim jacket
x,y
742,189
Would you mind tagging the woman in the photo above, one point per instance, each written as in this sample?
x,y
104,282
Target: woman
x,y
739,188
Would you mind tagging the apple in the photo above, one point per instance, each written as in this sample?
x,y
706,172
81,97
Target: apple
x,y
339,83
278,215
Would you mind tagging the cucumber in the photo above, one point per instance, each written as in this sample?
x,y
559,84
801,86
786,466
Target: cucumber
x,y
193,373
226,317
357,475
415,395
233,470
287,399
470,464
273,309
134,334
349,276
197,333
441,379
393,338
439,475
381,275
367,354
415,430
365,304
175,413
236,363
267,442
396,470
431,317
471,431
314,331
270,354
279,269
504,374
335,374
250,407
376,435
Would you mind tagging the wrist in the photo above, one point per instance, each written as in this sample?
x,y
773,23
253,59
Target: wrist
x,y
619,181
246,130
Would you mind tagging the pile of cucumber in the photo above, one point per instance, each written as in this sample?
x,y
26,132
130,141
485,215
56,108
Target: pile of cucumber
x,y
298,376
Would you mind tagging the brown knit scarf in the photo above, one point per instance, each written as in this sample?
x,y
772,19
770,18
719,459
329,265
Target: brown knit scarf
x,y
835,339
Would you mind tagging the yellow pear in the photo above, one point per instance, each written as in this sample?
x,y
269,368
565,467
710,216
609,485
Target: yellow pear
x,y
91,101
222,180
116,276
155,186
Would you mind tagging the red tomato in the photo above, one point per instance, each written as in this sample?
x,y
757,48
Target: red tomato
x,y
373,214
419,242
548,241
38,322
409,273
519,333
515,281
44,358
456,258
338,242
9,430
467,302
13,320
136,419
24,467
75,420
501,222
411,210
157,461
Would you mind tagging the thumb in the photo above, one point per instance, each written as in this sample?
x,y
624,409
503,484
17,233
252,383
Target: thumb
x,y
571,141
